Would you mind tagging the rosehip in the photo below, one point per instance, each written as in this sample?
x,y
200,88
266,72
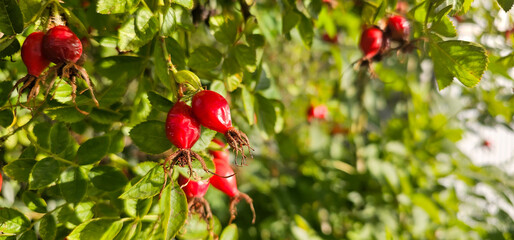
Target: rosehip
x,y
398,28
371,42
1,181
195,190
228,185
182,128
192,188
60,44
212,111
319,112
32,56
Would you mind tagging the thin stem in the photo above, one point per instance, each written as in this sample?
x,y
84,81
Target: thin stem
x,y
49,153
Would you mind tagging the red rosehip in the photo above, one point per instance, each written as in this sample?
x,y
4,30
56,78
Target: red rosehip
x,y
60,45
225,181
371,42
398,28
192,188
319,112
227,185
212,110
1,181
182,128
32,56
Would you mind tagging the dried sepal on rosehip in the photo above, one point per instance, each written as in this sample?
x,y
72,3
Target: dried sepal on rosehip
x,y
36,63
225,181
212,111
64,48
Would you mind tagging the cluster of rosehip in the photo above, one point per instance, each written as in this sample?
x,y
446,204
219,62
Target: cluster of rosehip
x,y
183,122
376,43
60,46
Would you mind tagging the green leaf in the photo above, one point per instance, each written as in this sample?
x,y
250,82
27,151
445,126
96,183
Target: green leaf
x,y
197,228
107,178
105,116
178,56
168,23
462,6
13,221
137,207
115,6
59,138
204,140
64,113
28,153
188,77
48,227
444,27
42,133
44,172
305,28
148,186
5,89
505,4
6,118
465,61
161,66
117,141
29,9
289,20
138,31
230,233
255,40
246,57
28,235
120,68
189,4
205,58
73,217
159,102
93,150
380,11
34,202
225,28
150,137
174,204
9,48
266,115
19,170
97,229
248,104
73,184
11,19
